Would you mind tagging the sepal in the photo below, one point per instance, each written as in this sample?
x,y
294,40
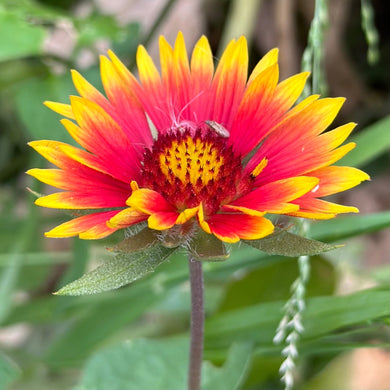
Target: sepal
x,y
207,247
143,240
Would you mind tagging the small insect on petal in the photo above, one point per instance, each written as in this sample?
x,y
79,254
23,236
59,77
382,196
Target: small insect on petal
x,y
219,129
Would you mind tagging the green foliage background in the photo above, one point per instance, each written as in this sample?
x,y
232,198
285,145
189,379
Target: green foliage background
x,y
137,337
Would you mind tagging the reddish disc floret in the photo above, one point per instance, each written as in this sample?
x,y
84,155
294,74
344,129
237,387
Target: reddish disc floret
x,y
189,167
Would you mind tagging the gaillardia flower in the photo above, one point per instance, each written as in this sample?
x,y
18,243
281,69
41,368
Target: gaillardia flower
x,y
190,147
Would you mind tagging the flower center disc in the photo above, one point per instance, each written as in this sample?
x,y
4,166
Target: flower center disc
x,y
191,168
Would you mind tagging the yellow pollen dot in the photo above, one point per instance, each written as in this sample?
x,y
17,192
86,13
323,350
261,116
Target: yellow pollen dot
x,y
263,163
191,160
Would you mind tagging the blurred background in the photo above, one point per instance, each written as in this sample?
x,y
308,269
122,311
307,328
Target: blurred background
x,y
51,342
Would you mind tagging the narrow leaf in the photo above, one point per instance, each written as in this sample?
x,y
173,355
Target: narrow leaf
x,y
349,226
323,315
288,244
117,272
371,143
9,371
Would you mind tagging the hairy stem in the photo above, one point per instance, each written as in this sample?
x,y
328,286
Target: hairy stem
x,y
197,323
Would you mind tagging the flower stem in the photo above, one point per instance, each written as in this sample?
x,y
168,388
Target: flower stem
x,y
197,323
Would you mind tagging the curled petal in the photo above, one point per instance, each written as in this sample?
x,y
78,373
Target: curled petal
x,y
233,227
186,215
162,220
149,202
126,218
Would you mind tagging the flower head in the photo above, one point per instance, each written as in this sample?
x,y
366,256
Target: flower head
x,y
192,147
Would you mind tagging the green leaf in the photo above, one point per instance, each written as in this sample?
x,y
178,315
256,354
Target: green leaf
x,y
122,307
18,38
35,11
8,280
40,121
232,374
207,247
9,371
138,365
160,365
82,336
326,314
371,143
288,244
117,272
97,26
272,282
322,316
341,228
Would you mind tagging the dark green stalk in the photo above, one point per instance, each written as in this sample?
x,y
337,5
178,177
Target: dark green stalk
x,y
161,17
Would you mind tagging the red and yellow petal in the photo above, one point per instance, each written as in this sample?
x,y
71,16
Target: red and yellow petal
x,y
92,226
254,117
288,91
100,134
292,131
128,109
274,197
84,179
152,93
60,108
80,163
301,164
75,200
295,147
320,209
233,227
229,82
202,70
175,72
335,179
268,59
128,78
148,73
89,92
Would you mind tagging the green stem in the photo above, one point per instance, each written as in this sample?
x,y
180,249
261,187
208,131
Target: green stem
x,y
197,323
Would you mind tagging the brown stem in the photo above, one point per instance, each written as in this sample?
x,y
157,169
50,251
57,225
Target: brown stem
x,y
197,323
